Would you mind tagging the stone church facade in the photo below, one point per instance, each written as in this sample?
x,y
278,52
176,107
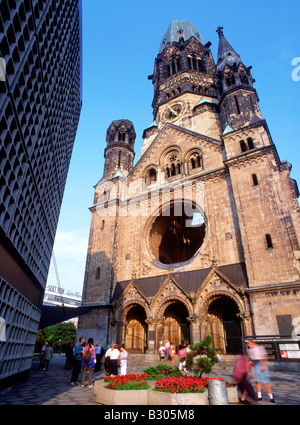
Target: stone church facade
x,y
202,234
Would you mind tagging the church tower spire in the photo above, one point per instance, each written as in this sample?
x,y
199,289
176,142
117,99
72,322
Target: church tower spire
x,y
238,98
184,65
119,153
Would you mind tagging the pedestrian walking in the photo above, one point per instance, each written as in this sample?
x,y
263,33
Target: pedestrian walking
x,y
182,358
114,357
69,356
42,356
258,361
98,350
167,347
107,359
162,353
89,357
241,378
48,356
78,352
172,352
123,360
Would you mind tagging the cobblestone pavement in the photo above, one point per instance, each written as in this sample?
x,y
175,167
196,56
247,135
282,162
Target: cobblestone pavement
x,y
53,387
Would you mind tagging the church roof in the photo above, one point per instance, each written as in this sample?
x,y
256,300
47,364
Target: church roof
x,y
190,281
180,29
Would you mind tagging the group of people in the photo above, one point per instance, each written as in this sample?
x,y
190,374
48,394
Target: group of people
x,y
115,360
251,364
167,351
88,357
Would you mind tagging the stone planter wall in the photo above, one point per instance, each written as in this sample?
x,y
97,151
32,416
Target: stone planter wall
x,y
154,398
157,398
121,398
232,395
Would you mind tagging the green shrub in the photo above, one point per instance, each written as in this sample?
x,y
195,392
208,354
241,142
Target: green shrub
x,y
162,371
202,357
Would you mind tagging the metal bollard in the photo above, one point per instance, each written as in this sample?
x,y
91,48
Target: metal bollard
x,y
217,393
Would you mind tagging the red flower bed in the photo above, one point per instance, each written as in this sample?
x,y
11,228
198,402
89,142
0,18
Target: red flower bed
x,y
127,382
184,384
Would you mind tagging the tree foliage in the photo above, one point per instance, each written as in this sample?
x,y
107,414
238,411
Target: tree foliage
x,y
202,357
60,335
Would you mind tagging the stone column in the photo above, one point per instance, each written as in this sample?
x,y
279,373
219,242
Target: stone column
x,y
194,328
151,336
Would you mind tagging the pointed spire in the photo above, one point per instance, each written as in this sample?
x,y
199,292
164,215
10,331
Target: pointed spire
x,y
226,53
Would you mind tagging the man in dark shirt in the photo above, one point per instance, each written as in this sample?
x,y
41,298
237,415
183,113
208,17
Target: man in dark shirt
x,y
78,352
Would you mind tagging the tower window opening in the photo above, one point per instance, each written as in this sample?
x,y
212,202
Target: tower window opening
x,y
196,64
173,67
230,80
195,162
250,143
254,180
237,105
102,224
151,176
269,242
243,145
244,79
97,273
121,137
119,159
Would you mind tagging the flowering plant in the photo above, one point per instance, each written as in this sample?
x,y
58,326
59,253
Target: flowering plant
x,y
127,382
184,384
127,378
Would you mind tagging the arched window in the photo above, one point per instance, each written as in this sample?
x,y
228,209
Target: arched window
x,y
196,64
254,180
269,242
151,176
172,164
102,224
230,80
121,137
250,143
97,273
243,145
244,79
173,66
195,161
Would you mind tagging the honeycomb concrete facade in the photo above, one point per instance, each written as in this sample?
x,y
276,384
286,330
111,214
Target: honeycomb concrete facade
x,y
40,104
208,163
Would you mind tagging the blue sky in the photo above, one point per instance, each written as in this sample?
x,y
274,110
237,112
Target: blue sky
x,y
120,42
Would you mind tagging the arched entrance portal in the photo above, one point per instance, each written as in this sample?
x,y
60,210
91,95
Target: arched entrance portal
x,y
136,330
225,326
176,326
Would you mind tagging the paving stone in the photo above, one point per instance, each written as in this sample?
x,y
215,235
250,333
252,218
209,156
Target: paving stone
x,y
53,387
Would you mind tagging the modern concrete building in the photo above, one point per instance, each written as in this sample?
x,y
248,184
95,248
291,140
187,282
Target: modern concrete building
x,y
40,104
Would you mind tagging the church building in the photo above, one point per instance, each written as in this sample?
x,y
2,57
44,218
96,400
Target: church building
x,y
201,235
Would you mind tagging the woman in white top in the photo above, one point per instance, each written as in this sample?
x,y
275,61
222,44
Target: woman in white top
x,y
114,357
